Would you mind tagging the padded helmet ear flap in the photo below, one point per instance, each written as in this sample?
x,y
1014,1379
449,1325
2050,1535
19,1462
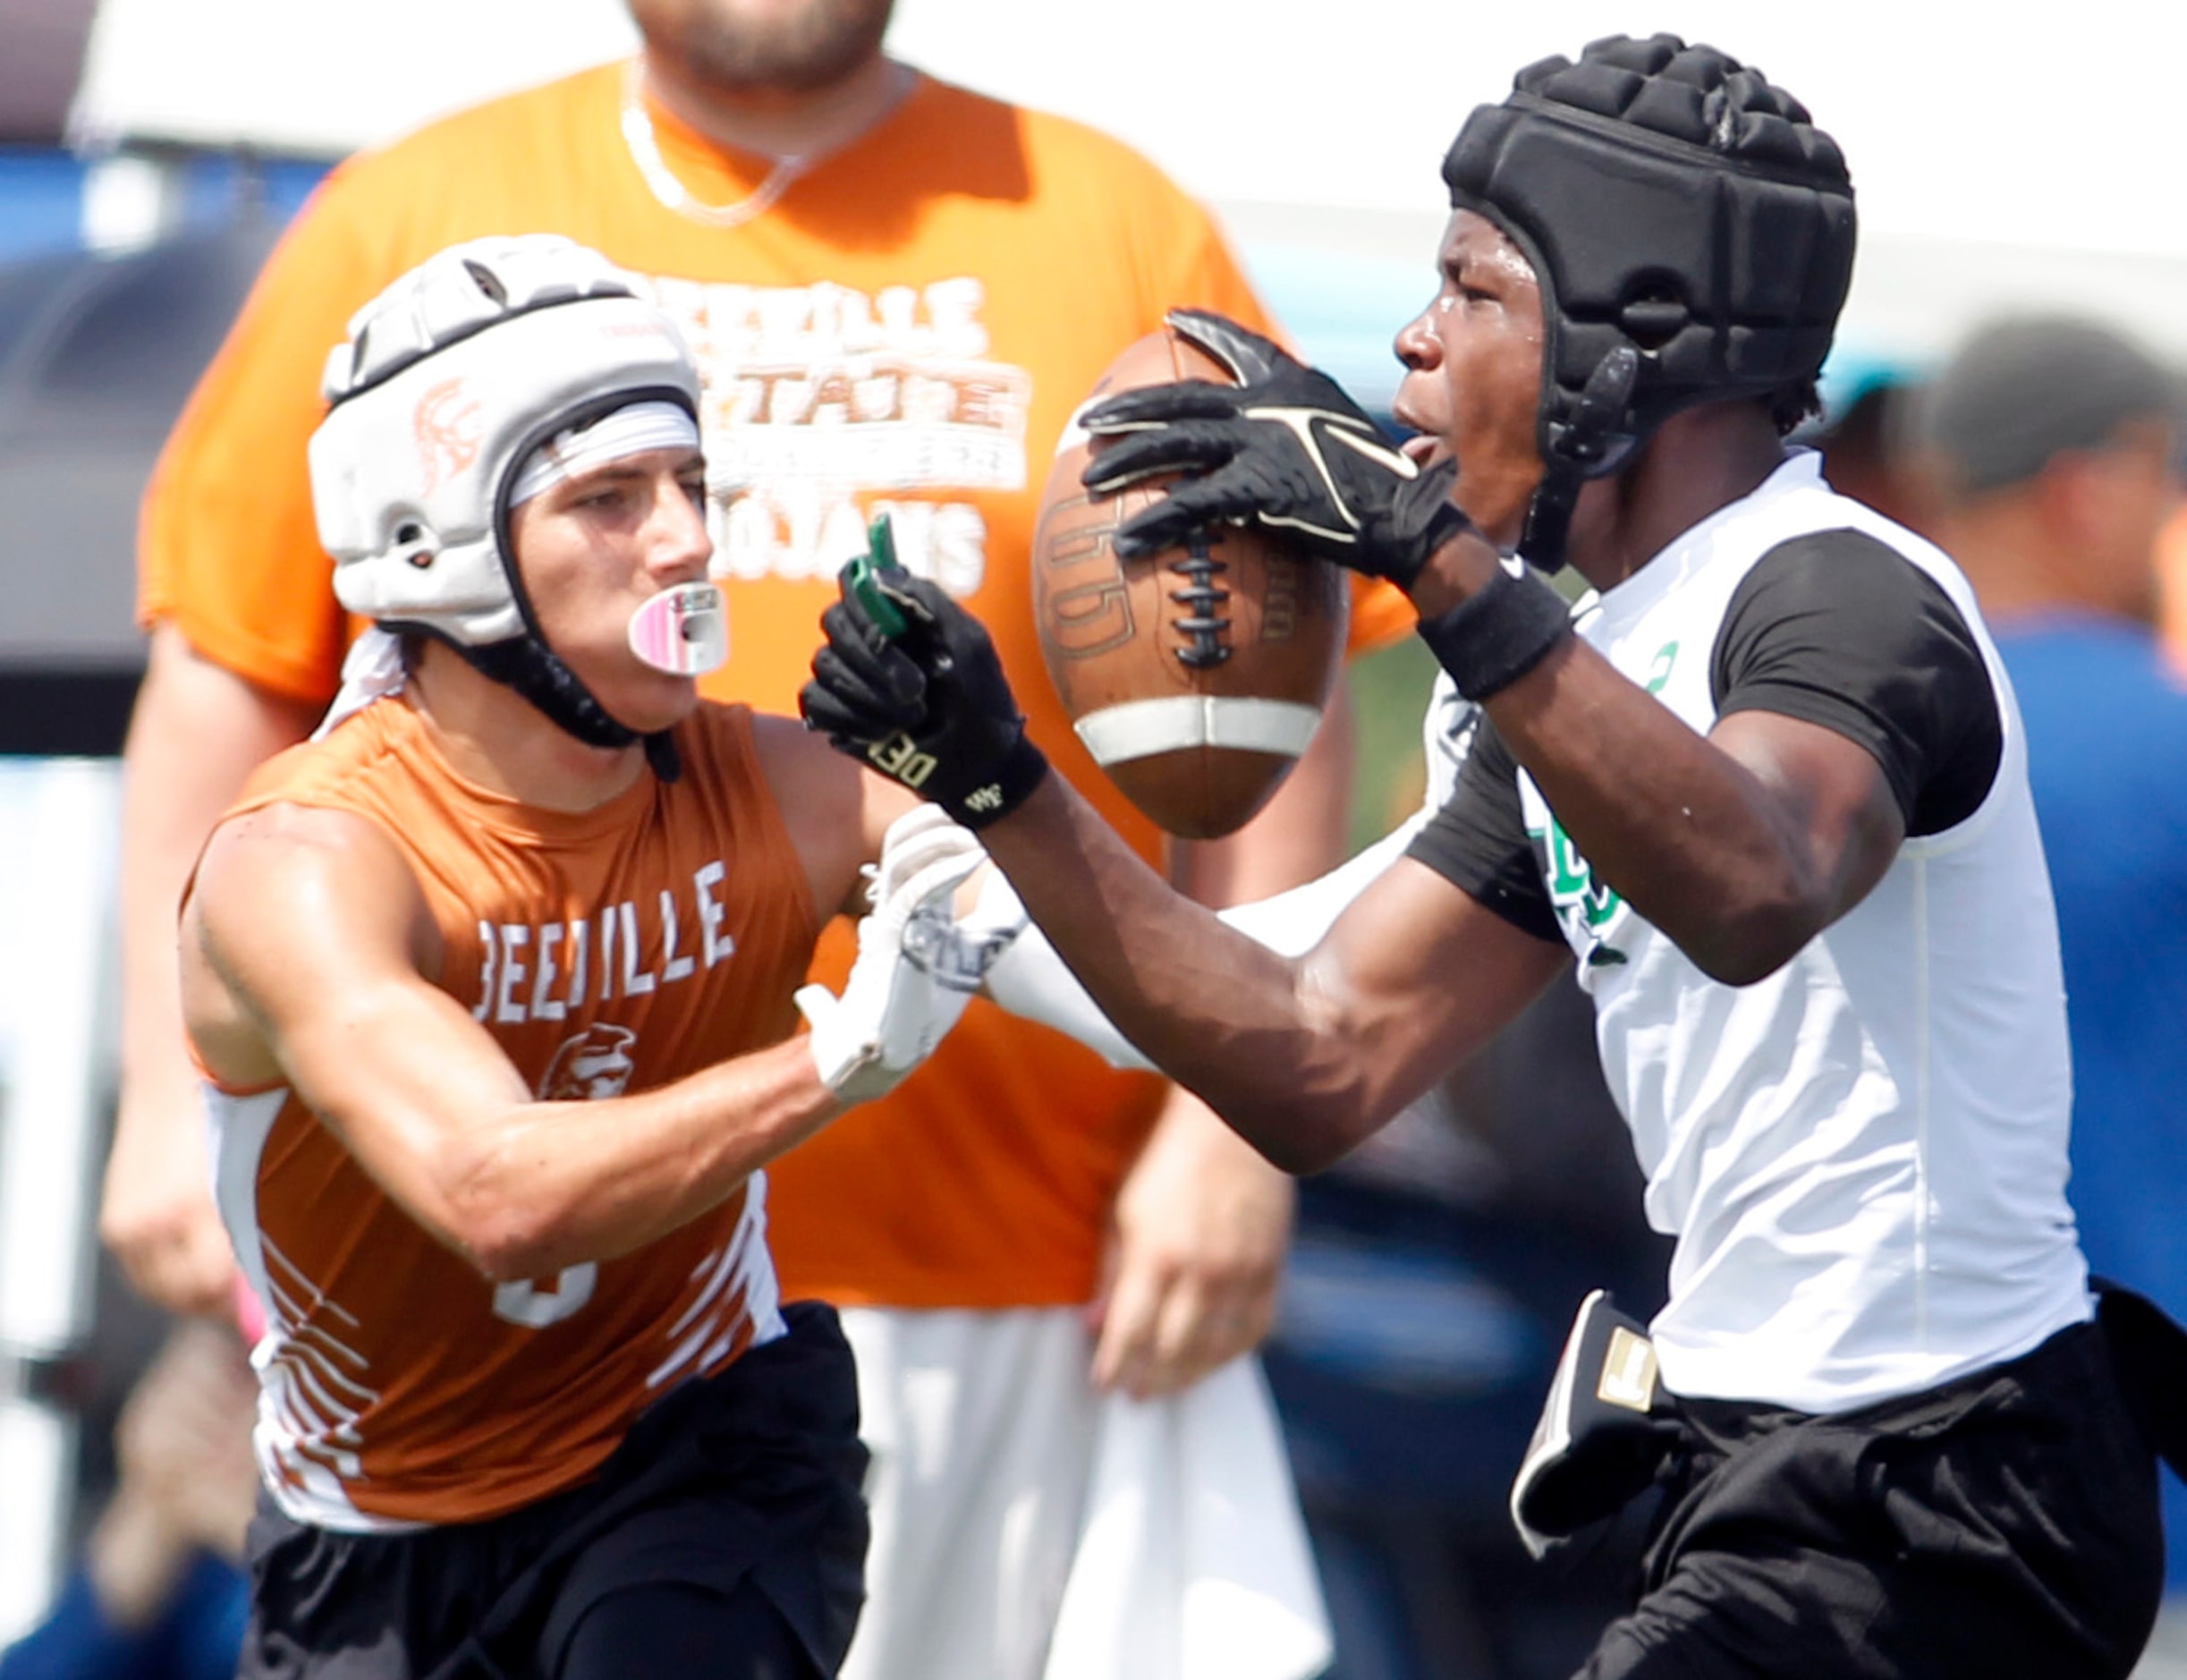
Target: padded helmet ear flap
x,y
1676,208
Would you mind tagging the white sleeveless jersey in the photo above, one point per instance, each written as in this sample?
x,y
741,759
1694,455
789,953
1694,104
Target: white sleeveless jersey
x,y
1863,1156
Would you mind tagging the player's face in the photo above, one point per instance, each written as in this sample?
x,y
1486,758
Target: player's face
x,y
594,549
753,45
1473,374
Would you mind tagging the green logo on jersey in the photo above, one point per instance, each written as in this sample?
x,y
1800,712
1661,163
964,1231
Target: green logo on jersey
x,y
1585,905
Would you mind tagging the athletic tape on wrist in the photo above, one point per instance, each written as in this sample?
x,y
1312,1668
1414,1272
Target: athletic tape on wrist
x,y
1492,639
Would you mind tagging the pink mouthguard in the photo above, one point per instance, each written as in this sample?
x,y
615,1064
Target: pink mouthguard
x,y
683,631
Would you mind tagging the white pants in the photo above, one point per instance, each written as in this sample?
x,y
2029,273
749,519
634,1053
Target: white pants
x,y
982,1429
1026,1528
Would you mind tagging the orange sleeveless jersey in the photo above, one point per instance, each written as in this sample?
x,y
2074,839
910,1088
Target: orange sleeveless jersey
x,y
908,329
617,949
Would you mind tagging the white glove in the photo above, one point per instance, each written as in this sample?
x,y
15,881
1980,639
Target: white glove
x,y
898,1003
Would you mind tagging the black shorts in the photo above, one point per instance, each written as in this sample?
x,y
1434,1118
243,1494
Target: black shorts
x,y
745,1481
2003,1525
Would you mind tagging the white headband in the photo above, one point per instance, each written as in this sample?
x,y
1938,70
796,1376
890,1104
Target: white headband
x,y
630,431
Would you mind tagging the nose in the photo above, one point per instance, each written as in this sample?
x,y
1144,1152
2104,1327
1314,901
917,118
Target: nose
x,y
682,546
1416,345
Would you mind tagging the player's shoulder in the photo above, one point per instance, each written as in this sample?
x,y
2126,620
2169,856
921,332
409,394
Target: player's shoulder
x,y
1796,531
784,752
716,732
811,785
362,744
1851,552
373,768
730,751
308,820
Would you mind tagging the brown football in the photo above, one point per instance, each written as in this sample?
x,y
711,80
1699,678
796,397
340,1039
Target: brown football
x,y
1195,677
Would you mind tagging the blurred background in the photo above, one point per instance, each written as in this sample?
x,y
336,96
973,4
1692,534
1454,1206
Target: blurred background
x,y
150,150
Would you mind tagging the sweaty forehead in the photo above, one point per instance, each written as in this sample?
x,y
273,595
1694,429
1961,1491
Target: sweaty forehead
x,y
1471,238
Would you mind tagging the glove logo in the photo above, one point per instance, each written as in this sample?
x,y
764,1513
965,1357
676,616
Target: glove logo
x,y
899,756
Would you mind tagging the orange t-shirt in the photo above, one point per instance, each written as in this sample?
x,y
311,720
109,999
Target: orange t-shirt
x,y
907,329
618,948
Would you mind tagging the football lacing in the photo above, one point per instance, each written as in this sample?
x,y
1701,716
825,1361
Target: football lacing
x,y
1203,599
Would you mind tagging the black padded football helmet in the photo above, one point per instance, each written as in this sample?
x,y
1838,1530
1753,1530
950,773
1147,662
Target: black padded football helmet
x,y
1693,232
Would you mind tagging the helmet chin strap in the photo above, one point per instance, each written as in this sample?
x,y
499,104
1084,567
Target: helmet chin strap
x,y
683,631
1591,444
534,670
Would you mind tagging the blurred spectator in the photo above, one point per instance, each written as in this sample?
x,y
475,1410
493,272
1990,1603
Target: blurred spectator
x,y
1864,457
2052,445
158,1595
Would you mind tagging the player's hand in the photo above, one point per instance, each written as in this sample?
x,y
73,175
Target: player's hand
x,y
183,1438
187,1480
1201,1224
1285,448
929,707
157,1212
900,998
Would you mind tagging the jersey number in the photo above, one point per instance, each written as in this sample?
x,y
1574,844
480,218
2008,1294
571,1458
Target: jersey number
x,y
534,1306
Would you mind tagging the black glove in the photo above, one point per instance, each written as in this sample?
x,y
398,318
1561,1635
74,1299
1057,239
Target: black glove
x,y
929,707
1284,448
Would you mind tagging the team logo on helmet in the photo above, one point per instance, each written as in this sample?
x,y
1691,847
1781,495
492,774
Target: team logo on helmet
x,y
448,426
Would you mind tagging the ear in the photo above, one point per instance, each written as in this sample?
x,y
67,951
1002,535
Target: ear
x,y
2069,494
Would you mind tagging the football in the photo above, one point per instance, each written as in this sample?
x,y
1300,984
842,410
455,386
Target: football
x,y
1197,676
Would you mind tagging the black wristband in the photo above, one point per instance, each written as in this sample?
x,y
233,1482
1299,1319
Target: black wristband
x,y
1492,638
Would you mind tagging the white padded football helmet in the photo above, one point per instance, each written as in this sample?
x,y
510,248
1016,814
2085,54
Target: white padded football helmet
x,y
447,381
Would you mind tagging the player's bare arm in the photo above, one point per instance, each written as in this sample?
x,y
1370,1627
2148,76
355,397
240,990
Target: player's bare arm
x,y
1742,844
306,951
1304,1058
